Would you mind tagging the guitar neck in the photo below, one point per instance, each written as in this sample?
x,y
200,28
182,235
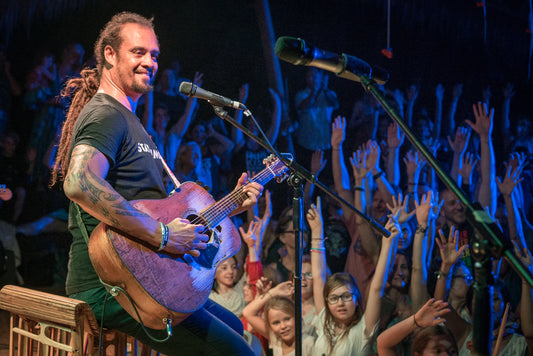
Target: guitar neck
x,y
215,213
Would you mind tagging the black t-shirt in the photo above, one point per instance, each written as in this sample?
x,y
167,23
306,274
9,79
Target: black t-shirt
x,y
135,172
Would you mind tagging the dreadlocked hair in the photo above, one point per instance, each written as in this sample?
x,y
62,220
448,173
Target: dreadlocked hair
x,y
79,91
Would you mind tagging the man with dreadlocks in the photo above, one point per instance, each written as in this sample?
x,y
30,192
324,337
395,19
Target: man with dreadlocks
x,y
106,159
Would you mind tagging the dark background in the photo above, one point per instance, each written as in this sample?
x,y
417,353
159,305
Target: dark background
x,y
439,41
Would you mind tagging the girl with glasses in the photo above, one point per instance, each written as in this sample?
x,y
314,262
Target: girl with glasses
x,y
344,326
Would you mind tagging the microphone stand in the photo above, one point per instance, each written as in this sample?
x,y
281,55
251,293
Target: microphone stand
x,y
488,241
298,175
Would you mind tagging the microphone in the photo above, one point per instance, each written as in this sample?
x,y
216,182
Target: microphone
x,y
296,51
190,89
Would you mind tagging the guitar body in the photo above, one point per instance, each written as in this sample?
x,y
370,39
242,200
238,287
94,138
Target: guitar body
x,y
163,286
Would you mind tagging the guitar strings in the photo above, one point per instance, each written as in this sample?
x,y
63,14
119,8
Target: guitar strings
x,y
213,214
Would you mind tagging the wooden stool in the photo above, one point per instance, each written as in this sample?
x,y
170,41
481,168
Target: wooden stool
x,y
47,324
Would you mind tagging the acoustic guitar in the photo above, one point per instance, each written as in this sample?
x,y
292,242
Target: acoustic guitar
x,y
164,286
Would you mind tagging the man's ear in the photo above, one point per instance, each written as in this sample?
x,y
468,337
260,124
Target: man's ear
x,y
110,57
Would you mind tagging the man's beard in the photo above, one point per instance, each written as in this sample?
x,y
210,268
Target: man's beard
x,y
142,88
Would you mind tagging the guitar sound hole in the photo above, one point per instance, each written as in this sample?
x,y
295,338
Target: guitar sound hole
x,y
207,255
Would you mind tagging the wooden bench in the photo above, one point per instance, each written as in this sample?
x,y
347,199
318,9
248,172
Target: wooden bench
x,y
47,324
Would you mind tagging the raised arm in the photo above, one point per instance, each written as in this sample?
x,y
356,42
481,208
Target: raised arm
x,y
236,134
318,253
449,254
430,314
361,169
439,96
483,127
374,153
341,178
458,146
181,126
508,93
377,285
275,120
417,287
507,187
465,172
414,165
395,138
412,94
456,94
252,311
317,165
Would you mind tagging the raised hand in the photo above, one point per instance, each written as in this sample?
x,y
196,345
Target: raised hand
x,y
414,165
251,236
431,313
263,285
338,131
412,93
395,136
468,164
285,289
317,162
399,208
359,165
462,135
483,124
314,218
510,180
449,252
457,90
372,158
423,209
518,160
198,78
393,226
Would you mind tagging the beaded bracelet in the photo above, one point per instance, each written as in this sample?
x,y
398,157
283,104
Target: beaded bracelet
x,y
164,236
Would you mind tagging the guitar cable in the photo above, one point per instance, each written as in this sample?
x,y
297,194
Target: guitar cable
x,y
114,291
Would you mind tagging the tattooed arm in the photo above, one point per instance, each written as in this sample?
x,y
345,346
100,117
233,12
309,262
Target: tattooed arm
x,y
85,184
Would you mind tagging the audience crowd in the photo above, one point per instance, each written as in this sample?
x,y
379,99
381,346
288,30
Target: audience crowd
x,y
362,293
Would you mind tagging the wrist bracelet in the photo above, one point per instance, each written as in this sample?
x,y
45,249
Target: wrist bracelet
x,y
377,175
361,189
318,249
421,229
441,274
164,236
414,319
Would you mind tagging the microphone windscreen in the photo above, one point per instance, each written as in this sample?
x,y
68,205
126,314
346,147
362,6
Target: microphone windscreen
x,y
186,88
292,50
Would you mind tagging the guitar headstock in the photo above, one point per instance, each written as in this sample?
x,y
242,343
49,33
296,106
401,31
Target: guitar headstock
x,y
5,193
277,166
